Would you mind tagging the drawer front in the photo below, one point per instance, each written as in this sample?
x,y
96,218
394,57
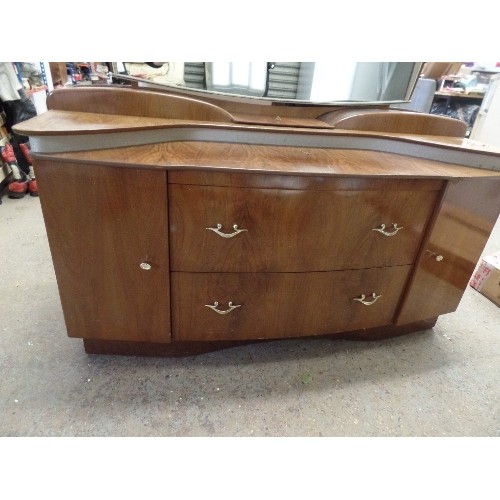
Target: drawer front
x,y
278,230
236,306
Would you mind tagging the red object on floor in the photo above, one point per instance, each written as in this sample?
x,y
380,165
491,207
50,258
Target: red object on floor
x,y
33,188
17,189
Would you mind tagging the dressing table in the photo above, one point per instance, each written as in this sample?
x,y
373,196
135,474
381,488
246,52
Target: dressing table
x,y
181,221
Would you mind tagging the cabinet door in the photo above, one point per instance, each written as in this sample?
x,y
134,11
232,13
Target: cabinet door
x,y
102,223
461,228
280,230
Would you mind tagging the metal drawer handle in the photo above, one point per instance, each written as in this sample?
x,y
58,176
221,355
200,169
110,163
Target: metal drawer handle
x,y
231,306
218,228
382,230
362,298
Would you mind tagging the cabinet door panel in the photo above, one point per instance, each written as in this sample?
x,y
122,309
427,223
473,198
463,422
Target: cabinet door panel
x,y
102,223
293,230
278,305
464,221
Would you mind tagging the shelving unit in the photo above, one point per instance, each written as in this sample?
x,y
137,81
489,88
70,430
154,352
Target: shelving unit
x,y
463,105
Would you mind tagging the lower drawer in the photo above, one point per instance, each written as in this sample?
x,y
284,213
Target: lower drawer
x,y
238,306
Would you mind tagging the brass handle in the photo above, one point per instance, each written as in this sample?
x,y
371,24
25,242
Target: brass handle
x,y
218,228
231,306
145,265
382,230
362,298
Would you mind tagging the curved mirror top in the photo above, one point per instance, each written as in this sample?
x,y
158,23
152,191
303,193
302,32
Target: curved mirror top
x,y
297,82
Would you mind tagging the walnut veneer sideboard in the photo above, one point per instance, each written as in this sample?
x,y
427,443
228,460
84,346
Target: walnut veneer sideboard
x,y
180,222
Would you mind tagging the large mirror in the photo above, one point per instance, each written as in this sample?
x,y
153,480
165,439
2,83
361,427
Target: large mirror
x,y
311,82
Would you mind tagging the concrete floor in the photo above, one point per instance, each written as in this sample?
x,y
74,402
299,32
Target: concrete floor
x,y
441,382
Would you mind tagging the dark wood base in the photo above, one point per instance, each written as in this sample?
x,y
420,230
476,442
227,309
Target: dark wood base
x,y
185,348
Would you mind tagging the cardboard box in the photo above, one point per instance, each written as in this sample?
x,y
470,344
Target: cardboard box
x,y
486,277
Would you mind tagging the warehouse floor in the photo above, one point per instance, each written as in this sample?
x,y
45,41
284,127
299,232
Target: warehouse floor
x,y
440,382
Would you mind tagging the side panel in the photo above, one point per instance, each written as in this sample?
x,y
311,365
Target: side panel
x,y
102,223
469,210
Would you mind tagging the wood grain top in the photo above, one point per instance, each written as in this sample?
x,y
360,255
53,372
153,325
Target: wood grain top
x,y
281,121
56,123
230,157
124,101
397,122
53,123
86,111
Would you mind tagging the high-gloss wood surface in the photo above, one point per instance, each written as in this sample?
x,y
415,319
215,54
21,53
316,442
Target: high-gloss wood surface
x,y
401,122
309,214
127,102
470,208
71,123
67,123
75,110
240,179
101,224
293,230
283,160
277,305
282,121
304,182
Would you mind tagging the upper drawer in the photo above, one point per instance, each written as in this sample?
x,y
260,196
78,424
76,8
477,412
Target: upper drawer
x,y
249,229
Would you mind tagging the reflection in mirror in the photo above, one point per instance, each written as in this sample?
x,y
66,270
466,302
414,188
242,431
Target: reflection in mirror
x,y
362,81
311,82
237,77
